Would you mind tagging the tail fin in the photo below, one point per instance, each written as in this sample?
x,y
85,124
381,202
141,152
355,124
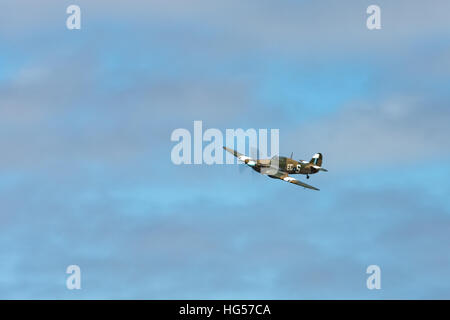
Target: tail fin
x,y
316,159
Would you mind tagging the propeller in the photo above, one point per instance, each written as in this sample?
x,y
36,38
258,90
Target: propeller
x,y
249,161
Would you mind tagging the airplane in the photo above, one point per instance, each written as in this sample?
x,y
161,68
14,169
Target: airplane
x,y
281,167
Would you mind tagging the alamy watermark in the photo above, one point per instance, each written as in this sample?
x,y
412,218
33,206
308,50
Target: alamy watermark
x,y
74,20
190,148
374,280
74,280
373,22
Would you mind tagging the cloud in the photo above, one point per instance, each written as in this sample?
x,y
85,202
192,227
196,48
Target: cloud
x,y
86,176
395,132
261,248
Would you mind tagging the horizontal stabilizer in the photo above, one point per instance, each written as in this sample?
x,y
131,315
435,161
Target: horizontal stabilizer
x,y
320,168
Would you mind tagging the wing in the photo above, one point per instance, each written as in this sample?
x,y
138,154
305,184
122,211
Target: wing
x,y
284,176
233,152
242,157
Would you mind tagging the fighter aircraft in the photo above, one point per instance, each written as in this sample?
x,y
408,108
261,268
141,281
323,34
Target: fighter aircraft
x,y
281,167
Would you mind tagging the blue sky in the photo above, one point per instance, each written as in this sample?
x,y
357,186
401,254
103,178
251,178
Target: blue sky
x,y
86,176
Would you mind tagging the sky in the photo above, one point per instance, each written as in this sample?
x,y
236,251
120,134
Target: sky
x,y
86,176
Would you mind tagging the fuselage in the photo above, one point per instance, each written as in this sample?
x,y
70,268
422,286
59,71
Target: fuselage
x,y
287,165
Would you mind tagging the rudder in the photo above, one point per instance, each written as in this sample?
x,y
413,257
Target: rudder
x,y
316,159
